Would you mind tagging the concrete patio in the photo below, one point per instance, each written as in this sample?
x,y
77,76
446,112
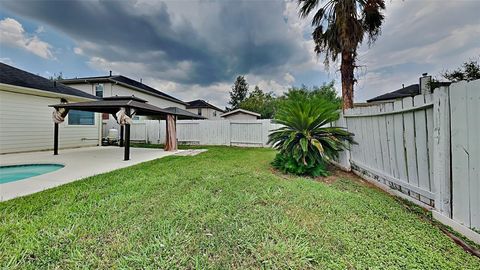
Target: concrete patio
x,y
79,163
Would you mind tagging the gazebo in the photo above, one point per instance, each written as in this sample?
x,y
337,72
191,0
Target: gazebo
x,y
123,108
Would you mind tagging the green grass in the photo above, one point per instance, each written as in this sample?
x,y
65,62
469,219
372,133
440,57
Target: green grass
x,y
220,209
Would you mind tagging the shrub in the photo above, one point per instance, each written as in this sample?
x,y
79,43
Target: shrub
x,y
307,142
288,164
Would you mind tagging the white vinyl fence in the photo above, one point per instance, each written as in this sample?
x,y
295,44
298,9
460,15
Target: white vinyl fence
x,y
426,147
252,133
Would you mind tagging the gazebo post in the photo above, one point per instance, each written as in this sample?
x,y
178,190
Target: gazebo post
x,y
127,138
121,136
58,117
55,138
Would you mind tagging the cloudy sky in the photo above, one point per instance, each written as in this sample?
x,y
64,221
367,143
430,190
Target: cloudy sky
x,y
195,49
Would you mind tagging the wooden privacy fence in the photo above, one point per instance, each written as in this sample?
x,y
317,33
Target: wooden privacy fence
x,y
395,144
465,149
207,132
426,147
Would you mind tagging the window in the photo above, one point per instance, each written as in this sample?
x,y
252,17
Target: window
x,y
214,113
99,90
199,111
81,118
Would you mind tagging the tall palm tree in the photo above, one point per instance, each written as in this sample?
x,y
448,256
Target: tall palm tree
x,y
339,28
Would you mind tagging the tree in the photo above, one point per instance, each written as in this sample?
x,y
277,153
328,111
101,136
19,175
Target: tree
x,y
239,93
306,142
469,71
327,92
266,103
260,102
56,77
339,28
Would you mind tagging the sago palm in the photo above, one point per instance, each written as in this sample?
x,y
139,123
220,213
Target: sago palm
x,y
307,140
339,28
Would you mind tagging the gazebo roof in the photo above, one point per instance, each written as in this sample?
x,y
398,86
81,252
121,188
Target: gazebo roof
x,y
112,105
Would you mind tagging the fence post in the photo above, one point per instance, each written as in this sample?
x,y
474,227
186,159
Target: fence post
x,y
344,156
265,131
147,139
441,151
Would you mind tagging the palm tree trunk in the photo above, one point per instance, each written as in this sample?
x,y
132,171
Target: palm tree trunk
x,y
346,68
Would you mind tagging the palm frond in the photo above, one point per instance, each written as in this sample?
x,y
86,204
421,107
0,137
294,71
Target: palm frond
x,y
307,134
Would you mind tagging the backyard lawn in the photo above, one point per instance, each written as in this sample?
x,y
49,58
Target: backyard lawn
x,y
221,209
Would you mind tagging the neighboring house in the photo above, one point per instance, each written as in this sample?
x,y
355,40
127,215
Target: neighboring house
x,y
205,109
422,87
118,85
26,120
240,114
409,91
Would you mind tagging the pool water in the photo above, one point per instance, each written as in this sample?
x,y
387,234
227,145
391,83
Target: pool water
x,y
18,172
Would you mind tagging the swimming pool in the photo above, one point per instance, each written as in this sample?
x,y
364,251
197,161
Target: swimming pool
x,y
19,172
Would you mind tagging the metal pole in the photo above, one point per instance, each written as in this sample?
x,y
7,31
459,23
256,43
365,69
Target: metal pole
x,y
121,136
127,138
127,142
55,138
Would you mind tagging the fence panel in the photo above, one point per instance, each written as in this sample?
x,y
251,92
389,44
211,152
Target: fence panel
x,y
426,147
441,151
215,132
188,132
465,150
421,144
138,131
205,132
393,145
153,131
382,123
246,133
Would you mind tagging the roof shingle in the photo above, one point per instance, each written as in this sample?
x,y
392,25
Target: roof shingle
x,y
200,103
14,76
409,91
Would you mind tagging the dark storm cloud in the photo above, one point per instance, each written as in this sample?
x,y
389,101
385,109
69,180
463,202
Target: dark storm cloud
x,y
231,38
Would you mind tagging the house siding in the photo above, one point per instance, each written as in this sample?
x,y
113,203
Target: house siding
x,y
207,112
26,125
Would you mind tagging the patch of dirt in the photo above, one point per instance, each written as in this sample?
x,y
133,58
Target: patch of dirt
x,y
337,174
328,179
281,174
